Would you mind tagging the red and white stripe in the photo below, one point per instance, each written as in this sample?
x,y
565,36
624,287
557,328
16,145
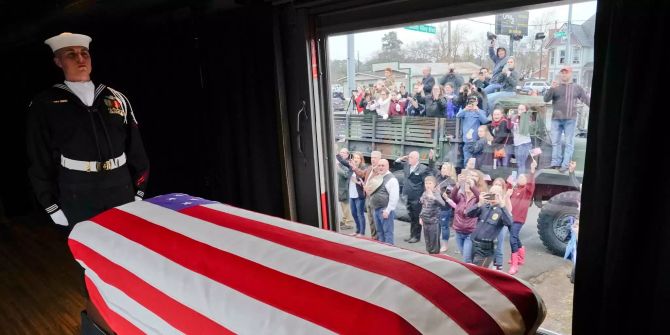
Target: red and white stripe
x,y
216,269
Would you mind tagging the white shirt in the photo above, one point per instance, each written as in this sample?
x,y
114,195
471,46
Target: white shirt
x,y
393,188
353,193
413,168
84,90
383,107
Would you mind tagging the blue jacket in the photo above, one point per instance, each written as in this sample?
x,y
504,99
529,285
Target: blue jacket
x,y
471,120
499,64
450,109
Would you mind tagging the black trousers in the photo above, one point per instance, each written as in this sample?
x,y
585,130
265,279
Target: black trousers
x,y
431,231
483,253
83,195
414,209
82,202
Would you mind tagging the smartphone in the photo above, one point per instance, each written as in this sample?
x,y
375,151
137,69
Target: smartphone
x,y
490,196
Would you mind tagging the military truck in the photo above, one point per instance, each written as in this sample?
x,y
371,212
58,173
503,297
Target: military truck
x,y
555,194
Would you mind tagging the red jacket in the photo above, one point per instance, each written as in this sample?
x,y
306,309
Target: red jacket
x,y
521,199
393,111
462,223
358,103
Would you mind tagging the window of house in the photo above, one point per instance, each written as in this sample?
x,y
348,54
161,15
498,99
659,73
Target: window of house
x,y
552,56
561,58
576,55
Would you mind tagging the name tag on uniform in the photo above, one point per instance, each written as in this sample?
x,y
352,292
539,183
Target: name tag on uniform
x,y
59,101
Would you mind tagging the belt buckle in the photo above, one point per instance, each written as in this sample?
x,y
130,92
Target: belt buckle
x,y
107,165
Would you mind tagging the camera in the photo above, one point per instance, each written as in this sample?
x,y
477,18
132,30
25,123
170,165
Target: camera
x,y
490,36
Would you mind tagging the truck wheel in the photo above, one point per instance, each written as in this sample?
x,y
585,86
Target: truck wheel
x,y
553,222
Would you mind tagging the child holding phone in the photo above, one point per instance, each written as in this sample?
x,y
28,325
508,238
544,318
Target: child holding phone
x,y
492,216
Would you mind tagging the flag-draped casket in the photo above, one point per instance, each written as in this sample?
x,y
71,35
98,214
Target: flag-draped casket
x,y
179,264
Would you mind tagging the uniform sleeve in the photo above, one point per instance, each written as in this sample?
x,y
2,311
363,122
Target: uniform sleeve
x,y
473,211
42,167
138,162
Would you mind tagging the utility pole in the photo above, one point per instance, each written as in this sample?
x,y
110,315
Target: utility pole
x,y
568,53
351,68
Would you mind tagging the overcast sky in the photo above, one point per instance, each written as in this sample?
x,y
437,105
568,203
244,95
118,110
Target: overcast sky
x,y
368,42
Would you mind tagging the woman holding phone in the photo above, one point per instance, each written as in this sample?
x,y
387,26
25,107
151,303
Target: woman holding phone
x,y
464,195
446,180
357,195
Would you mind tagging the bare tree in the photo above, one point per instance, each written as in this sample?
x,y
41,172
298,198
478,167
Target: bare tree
x,y
421,52
539,24
442,38
459,39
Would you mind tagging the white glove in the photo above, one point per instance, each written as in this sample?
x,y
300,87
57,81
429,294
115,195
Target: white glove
x,y
138,198
59,218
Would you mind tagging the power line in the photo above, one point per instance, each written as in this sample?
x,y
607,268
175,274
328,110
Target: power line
x,y
530,25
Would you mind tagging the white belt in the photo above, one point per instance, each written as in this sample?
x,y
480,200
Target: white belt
x,y
73,164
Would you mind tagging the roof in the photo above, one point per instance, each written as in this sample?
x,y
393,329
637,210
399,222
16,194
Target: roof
x,y
363,76
437,69
582,34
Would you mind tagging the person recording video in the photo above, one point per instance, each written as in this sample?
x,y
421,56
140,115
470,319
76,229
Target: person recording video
x,y
493,215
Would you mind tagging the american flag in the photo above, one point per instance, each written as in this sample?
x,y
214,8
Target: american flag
x,y
177,264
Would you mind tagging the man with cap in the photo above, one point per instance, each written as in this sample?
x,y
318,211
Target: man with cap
x,y
564,97
84,146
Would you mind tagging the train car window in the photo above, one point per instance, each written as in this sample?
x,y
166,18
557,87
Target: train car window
x,y
468,110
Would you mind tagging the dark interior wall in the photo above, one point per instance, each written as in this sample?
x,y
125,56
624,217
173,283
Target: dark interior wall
x,y
209,124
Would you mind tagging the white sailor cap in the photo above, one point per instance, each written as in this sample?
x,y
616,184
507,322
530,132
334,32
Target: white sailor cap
x,y
68,40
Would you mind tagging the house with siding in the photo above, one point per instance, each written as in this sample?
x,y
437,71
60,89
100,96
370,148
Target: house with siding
x,y
582,41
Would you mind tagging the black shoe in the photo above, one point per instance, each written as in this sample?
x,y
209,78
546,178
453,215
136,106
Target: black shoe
x,y
412,240
555,167
563,170
407,239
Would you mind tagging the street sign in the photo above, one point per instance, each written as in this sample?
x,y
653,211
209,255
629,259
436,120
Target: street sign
x,y
512,23
424,28
560,34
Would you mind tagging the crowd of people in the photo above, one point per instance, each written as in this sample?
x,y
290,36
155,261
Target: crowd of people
x,y
490,193
438,199
475,103
444,97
